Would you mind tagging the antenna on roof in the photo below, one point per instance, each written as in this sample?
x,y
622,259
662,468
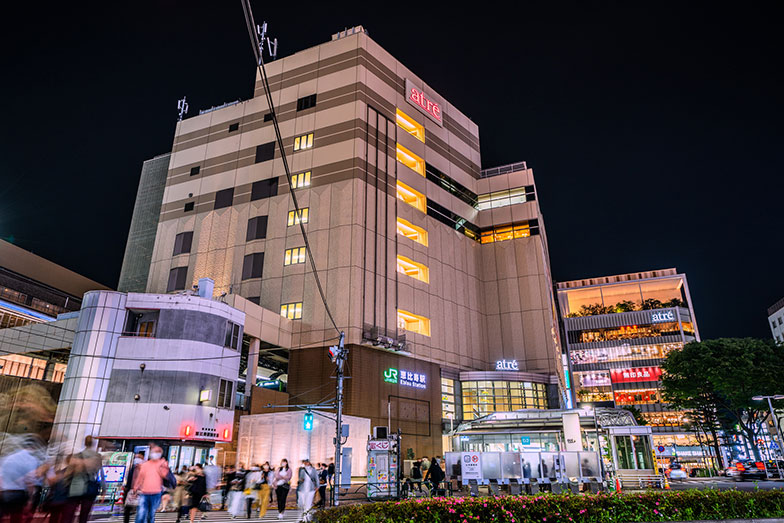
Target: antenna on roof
x,y
182,106
272,45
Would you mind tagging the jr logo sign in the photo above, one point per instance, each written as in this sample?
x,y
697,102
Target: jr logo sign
x,y
390,375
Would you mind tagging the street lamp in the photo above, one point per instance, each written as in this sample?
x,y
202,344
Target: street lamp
x,y
775,422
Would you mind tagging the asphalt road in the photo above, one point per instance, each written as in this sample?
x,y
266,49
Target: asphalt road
x,y
723,483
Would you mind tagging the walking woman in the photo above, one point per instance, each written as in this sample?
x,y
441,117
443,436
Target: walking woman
x,y
281,481
197,489
265,492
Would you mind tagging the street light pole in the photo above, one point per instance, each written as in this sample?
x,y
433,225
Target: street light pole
x,y
775,424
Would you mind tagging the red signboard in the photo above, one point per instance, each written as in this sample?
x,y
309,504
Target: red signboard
x,y
635,374
424,103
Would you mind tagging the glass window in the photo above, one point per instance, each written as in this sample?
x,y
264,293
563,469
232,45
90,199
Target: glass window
x,y
264,189
294,256
410,160
182,243
414,269
300,180
303,142
410,125
253,265
295,218
265,152
413,322
306,102
224,198
412,197
411,231
257,228
292,311
177,279
509,232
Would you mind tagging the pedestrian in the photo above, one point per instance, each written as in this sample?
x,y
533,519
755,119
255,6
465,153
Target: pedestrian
x,y
86,482
57,496
197,490
331,473
228,477
148,484
180,497
435,475
130,498
16,477
322,476
307,484
212,474
281,480
416,474
425,465
265,492
252,488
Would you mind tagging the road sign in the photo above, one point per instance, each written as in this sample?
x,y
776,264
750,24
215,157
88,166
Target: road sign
x,y
525,440
660,448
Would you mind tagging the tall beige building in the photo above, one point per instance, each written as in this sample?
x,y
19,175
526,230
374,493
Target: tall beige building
x,y
436,270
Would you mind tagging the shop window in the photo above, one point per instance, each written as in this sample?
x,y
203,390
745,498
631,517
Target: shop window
x,y
300,180
303,142
412,197
414,269
295,218
306,102
410,160
182,243
294,256
413,322
253,265
292,311
225,394
411,126
264,189
411,231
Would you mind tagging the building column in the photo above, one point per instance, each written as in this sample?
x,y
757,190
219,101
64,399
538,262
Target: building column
x,y
253,365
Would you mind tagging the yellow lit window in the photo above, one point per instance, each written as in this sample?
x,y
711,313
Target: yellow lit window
x,y
410,159
300,180
522,231
414,269
294,256
413,322
411,231
295,219
410,125
412,197
303,142
508,232
292,311
502,234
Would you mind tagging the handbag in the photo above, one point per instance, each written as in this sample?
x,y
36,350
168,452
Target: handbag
x,y
204,504
132,499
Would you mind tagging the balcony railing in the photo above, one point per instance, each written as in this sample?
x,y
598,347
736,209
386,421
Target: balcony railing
x,y
503,169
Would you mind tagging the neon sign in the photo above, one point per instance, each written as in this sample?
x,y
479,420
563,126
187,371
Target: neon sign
x,y
404,377
417,97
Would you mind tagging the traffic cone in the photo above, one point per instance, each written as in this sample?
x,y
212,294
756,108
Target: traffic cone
x,y
666,483
617,484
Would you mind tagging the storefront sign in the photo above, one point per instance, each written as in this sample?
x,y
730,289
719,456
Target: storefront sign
x,y
378,444
662,316
525,440
635,374
417,97
506,365
599,378
472,465
406,378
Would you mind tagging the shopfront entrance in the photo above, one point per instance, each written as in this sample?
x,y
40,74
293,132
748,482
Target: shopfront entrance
x,y
633,452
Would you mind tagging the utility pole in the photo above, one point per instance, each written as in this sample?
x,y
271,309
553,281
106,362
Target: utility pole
x,y
338,355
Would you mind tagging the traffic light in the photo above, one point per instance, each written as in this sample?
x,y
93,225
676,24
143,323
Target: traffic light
x,y
333,353
308,421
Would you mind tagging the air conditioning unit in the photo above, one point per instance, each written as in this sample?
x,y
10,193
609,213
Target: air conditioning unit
x,y
379,433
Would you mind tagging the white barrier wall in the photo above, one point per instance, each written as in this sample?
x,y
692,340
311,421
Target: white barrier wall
x,y
272,437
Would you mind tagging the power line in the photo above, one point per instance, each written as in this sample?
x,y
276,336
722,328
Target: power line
x,y
258,52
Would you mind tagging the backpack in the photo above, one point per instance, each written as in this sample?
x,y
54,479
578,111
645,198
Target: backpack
x,y
169,481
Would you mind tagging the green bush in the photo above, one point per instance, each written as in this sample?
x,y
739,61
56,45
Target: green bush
x,y
565,508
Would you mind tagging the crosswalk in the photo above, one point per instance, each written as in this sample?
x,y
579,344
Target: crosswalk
x,y
222,516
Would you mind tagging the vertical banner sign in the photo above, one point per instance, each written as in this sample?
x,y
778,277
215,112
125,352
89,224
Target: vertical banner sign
x,y
427,104
472,465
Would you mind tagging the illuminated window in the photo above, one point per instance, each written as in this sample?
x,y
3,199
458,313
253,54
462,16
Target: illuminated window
x,y
503,198
295,218
292,311
411,231
303,142
414,269
410,159
508,232
413,322
448,399
410,125
300,180
294,256
412,197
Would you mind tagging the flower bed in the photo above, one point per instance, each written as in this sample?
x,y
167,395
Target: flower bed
x,y
564,508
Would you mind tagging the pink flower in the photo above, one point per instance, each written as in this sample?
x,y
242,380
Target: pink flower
x,y
657,503
655,511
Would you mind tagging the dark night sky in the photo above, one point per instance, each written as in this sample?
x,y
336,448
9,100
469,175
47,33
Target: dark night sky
x,y
654,131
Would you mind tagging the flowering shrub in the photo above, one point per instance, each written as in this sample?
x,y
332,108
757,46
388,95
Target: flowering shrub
x,y
565,508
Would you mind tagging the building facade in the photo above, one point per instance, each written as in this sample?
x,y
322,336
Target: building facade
x,y
435,269
776,320
618,330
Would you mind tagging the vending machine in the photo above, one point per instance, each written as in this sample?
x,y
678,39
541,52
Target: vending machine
x,y
383,467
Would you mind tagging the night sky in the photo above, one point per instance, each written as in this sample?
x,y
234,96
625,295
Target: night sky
x,y
654,131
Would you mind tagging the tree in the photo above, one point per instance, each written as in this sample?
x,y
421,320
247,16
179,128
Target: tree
x,y
625,306
650,303
718,378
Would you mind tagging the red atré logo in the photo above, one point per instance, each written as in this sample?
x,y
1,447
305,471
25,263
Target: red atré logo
x,y
428,105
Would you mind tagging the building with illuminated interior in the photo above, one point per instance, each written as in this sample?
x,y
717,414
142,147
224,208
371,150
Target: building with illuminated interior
x,y
618,330
434,268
